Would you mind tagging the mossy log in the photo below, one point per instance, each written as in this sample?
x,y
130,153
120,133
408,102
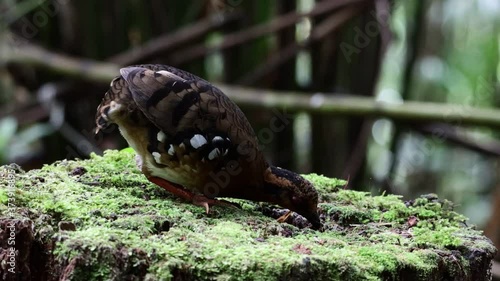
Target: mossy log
x,y
100,219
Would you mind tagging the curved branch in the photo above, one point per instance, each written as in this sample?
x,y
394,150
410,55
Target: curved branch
x,y
241,37
332,104
167,42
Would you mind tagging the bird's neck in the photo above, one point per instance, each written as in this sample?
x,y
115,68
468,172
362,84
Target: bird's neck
x,y
276,184
269,189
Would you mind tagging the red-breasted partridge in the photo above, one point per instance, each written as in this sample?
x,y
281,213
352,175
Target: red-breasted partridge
x,y
193,141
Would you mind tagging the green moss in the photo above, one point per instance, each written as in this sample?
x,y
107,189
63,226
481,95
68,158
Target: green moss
x,y
126,226
3,197
442,237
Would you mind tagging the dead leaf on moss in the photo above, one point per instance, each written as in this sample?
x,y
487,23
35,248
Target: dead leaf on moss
x,y
301,249
412,221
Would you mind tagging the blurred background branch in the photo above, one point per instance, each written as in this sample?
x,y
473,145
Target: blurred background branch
x,y
325,103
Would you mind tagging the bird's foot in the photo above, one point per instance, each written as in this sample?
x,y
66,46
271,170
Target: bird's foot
x,y
206,202
198,200
284,217
173,188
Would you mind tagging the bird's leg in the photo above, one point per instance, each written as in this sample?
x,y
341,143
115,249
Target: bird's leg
x,y
197,199
173,188
206,202
284,217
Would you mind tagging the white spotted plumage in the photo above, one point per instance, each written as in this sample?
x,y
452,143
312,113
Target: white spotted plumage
x,y
217,138
157,157
161,137
197,141
171,150
214,154
114,107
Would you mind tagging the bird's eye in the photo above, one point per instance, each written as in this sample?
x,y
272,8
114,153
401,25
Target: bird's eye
x,y
296,200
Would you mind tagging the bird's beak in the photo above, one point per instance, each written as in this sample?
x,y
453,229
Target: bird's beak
x,y
315,221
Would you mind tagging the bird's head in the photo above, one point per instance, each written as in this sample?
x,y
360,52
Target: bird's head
x,y
293,192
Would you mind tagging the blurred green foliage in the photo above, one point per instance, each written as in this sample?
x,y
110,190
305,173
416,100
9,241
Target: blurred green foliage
x,y
456,61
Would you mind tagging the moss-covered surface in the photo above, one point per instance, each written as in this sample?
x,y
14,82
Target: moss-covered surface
x,y
100,219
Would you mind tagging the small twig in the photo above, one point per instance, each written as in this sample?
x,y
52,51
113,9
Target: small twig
x,y
81,68
348,179
413,44
163,44
241,37
91,183
358,154
371,224
27,115
458,136
47,95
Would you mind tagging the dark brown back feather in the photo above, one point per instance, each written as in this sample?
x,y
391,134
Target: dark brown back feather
x,y
183,101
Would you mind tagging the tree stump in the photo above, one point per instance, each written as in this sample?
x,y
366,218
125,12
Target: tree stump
x,y
100,219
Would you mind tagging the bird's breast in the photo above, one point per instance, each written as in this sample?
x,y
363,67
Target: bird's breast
x,y
203,162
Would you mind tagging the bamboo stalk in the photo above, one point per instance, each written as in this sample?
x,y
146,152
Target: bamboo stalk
x,y
349,105
332,23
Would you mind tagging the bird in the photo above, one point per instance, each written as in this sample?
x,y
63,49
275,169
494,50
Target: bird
x,y
194,142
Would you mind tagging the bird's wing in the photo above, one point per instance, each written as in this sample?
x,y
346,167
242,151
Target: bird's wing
x,y
186,108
